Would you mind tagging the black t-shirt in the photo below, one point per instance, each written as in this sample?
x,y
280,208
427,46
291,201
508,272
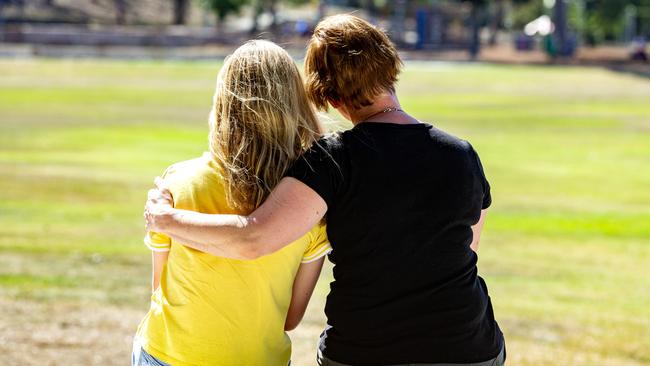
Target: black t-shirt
x,y
401,200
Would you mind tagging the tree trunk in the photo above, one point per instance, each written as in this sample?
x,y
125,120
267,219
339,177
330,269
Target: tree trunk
x,y
496,21
399,17
120,11
475,41
273,7
218,26
180,11
257,11
560,27
370,7
322,9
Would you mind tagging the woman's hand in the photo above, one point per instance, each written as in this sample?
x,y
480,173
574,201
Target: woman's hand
x,y
159,207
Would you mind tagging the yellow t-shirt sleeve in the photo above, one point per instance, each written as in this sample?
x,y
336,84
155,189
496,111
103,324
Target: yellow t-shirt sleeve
x,y
155,241
319,246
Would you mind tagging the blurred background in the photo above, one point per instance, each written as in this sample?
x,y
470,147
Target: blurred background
x,y
97,97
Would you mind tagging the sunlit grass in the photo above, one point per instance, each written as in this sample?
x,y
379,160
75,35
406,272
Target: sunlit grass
x,y
567,150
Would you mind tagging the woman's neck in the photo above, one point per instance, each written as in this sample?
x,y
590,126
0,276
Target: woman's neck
x,y
384,109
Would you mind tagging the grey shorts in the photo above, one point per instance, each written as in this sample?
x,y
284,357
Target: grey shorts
x,y
497,361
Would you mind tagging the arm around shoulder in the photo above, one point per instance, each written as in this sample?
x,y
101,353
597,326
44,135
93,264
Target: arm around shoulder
x,y
291,210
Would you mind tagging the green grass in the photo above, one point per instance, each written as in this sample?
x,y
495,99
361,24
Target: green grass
x,y
566,245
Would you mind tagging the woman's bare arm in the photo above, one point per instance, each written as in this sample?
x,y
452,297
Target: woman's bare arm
x,y
158,261
291,211
303,288
477,229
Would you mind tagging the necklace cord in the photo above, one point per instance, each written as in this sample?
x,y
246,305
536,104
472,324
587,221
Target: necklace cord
x,y
385,110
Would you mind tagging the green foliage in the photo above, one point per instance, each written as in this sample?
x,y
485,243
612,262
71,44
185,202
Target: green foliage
x,y
222,8
298,2
525,12
604,19
598,21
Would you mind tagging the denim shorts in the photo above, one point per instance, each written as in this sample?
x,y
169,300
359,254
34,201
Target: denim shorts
x,y
140,357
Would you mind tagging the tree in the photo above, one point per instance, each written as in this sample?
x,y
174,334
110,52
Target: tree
x,y
262,6
322,9
180,11
601,20
258,9
271,7
605,18
121,8
525,11
560,20
475,27
496,20
370,7
398,20
223,8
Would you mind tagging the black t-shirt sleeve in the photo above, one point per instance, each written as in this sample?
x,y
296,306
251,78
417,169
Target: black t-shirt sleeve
x,y
318,168
487,196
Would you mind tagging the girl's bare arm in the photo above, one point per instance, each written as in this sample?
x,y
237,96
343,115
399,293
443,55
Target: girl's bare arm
x,y
303,287
158,260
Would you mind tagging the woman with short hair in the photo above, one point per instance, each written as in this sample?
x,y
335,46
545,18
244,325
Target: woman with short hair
x,y
404,203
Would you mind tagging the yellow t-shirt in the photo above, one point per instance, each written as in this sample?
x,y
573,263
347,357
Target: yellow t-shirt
x,y
215,311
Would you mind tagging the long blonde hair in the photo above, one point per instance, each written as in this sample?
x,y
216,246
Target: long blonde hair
x,y
261,121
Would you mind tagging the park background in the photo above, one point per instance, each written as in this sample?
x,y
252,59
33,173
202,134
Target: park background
x,y
98,97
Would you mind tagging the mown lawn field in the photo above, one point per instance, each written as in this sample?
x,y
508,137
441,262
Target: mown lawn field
x,y
565,251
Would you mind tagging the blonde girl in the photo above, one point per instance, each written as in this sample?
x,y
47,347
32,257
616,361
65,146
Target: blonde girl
x,y
210,310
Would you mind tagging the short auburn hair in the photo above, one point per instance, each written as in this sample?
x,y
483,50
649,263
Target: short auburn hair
x,y
349,61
